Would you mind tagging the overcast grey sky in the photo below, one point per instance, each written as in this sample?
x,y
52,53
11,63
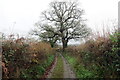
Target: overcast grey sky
x,y
19,16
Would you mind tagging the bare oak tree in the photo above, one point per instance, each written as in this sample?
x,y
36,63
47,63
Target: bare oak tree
x,y
64,19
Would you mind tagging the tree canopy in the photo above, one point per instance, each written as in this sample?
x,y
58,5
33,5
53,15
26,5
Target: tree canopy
x,y
63,21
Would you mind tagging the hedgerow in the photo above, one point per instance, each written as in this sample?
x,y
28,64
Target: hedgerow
x,y
21,59
98,57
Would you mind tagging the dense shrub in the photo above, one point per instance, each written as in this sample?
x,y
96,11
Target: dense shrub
x,y
14,56
19,56
101,55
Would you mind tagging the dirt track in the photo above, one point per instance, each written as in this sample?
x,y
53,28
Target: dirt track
x,y
68,72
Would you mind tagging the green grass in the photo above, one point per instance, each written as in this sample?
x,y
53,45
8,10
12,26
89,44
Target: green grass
x,y
71,60
59,70
82,72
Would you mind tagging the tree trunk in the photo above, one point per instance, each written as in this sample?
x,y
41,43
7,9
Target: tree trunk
x,y
64,43
52,44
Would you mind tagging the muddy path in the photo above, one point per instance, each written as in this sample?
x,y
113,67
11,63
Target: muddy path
x,y
68,72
